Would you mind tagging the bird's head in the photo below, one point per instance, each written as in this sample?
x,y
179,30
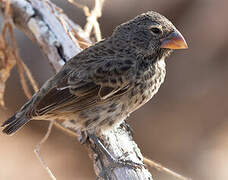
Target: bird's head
x,y
150,33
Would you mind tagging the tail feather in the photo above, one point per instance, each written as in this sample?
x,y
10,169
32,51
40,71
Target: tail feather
x,y
14,123
18,119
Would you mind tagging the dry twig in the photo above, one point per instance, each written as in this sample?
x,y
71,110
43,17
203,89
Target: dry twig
x,y
92,16
7,59
37,151
11,56
7,62
161,168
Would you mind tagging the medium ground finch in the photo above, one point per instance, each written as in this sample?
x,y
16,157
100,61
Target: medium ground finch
x,y
99,87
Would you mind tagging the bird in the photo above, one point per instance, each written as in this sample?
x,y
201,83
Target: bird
x,y
102,85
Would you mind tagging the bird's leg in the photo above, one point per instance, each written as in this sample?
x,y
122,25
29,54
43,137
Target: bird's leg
x,y
114,162
37,150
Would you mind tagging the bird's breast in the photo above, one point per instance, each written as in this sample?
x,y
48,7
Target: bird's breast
x,y
147,85
157,77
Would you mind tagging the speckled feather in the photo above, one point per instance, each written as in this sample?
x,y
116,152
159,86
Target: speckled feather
x,y
102,85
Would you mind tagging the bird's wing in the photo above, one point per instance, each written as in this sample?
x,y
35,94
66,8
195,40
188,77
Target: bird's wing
x,y
88,85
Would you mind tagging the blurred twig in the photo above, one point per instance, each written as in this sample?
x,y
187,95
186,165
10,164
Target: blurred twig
x,y
37,150
7,62
92,16
11,56
161,168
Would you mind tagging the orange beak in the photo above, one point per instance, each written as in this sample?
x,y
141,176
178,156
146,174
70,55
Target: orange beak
x,y
175,40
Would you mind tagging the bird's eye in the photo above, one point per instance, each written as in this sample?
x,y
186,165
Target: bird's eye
x,y
156,30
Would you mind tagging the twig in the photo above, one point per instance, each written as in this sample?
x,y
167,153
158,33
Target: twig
x,y
30,77
8,27
161,168
83,7
92,16
66,130
7,58
92,19
66,28
37,151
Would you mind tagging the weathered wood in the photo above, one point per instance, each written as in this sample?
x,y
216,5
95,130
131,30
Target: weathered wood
x,y
57,36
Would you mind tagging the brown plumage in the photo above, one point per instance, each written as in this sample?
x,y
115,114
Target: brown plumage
x,y
102,85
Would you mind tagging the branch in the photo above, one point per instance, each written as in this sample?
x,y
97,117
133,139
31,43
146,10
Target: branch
x,y
60,39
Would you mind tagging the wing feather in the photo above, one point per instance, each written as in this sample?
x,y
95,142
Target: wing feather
x,y
81,89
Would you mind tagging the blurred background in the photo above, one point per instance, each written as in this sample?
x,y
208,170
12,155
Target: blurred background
x,y
184,127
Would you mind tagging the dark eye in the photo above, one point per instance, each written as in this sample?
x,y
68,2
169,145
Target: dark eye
x,y
156,30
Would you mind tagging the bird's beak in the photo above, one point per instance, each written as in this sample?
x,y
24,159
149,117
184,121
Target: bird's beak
x,y
175,40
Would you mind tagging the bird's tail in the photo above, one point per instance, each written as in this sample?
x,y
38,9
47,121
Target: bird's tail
x,y
14,123
17,120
